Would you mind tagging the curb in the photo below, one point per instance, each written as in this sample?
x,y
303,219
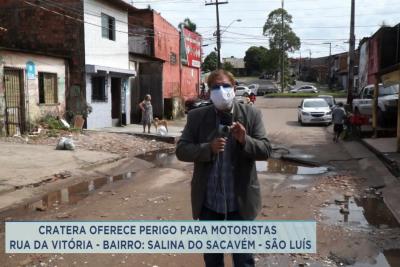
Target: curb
x,y
167,139
390,164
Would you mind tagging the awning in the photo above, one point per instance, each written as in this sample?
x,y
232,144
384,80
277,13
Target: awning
x,y
94,69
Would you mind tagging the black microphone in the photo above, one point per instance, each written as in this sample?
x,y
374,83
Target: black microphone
x,y
226,120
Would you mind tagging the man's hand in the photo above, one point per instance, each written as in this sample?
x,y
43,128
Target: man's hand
x,y
218,145
239,132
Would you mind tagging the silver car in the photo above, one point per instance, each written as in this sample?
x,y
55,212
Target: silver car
x,y
305,89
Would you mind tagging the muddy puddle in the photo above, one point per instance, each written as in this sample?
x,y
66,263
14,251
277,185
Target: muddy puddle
x,y
286,167
359,213
68,195
387,258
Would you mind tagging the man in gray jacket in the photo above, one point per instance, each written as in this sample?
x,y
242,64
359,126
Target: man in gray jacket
x,y
224,140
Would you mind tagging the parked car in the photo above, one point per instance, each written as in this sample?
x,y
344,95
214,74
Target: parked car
x,y
267,90
387,104
196,103
254,88
305,89
265,76
314,110
329,99
242,91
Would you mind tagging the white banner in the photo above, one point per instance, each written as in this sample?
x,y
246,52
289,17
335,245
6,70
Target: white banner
x,y
161,237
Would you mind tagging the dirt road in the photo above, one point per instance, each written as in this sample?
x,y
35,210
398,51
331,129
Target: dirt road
x,y
365,236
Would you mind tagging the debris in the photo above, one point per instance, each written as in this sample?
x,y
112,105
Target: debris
x,y
65,144
344,210
63,216
25,262
65,123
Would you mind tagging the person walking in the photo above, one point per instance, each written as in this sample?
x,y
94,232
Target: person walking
x,y
338,118
224,140
147,113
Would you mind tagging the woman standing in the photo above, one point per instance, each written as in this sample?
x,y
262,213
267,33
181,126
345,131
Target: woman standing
x,y
147,113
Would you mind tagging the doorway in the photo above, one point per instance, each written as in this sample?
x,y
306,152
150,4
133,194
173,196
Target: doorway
x,y
116,101
15,101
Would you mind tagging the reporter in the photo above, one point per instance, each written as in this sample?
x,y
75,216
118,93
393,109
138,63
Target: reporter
x,y
224,184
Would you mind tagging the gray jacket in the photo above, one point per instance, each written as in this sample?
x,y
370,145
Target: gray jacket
x,y
194,146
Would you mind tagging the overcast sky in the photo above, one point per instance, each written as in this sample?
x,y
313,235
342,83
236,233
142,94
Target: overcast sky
x,y
315,21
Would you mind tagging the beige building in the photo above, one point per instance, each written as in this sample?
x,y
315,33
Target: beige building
x,y
31,87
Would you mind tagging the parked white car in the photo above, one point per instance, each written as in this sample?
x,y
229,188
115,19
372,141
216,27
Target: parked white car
x,y
314,110
242,91
254,88
305,89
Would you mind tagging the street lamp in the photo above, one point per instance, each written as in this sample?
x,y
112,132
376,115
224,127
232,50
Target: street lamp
x,y
219,33
230,24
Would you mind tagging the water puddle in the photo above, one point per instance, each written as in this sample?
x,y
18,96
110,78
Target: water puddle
x,y
160,158
363,213
69,195
387,258
282,166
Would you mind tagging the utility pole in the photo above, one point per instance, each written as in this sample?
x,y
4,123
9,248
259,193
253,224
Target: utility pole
x,y
282,51
352,44
216,4
329,64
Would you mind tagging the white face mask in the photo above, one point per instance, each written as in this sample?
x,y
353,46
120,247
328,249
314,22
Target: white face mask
x,y
222,98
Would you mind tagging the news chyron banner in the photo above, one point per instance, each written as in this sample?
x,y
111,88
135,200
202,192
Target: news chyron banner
x,y
161,237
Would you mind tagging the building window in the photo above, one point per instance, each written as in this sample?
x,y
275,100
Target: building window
x,y
47,88
108,27
99,88
172,58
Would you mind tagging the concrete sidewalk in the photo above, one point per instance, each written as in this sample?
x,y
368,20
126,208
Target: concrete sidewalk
x,y
386,150
175,129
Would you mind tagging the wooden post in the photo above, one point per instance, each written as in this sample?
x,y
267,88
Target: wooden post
x,y
398,125
375,108
398,122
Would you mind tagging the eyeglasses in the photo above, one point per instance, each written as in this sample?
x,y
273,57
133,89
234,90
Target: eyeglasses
x,y
224,85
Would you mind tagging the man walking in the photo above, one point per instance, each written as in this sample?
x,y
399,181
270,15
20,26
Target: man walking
x,y
338,117
224,140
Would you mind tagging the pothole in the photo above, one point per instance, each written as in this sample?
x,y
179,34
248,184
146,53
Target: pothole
x,y
359,213
286,167
161,158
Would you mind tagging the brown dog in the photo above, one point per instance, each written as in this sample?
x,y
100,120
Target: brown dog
x,y
157,122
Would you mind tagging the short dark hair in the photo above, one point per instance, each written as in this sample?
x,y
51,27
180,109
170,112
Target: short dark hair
x,y
340,104
218,73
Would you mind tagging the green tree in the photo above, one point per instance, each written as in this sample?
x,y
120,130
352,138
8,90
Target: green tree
x,y
277,36
188,24
254,60
210,62
259,59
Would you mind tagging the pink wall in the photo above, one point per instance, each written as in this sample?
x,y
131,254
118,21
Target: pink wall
x,y
190,82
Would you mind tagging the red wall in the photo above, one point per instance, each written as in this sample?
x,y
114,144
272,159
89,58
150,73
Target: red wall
x,y
166,43
190,82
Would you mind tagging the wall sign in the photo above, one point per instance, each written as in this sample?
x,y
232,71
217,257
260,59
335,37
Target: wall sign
x,y
30,70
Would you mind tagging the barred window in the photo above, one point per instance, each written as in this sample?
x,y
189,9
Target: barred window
x,y
99,88
48,88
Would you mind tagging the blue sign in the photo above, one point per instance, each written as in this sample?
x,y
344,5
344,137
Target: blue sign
x,y
30,70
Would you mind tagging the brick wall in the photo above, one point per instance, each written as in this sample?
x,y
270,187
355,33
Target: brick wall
x,y
33,29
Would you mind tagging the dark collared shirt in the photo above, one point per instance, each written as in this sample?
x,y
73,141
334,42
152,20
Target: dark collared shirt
x,y
220,187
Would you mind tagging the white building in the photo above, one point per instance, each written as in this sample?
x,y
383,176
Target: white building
x,y
107,64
